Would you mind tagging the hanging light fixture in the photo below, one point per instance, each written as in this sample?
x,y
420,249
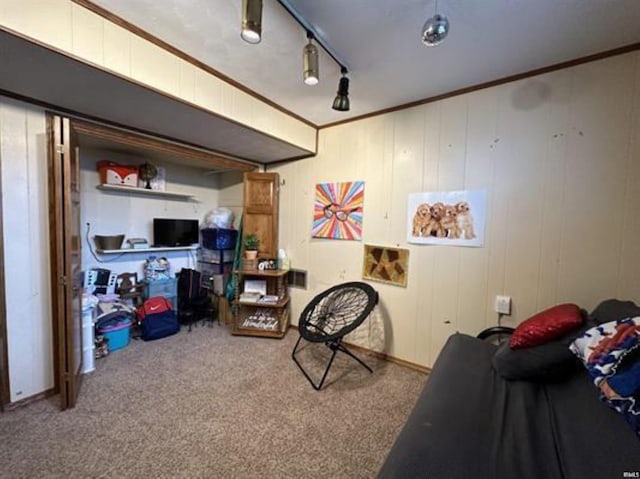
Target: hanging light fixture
x,y
310,66
341,102
251,21
435,29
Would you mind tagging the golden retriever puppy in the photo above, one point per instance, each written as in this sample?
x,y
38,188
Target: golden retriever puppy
x,y
465,220
449,222
435,228
421,219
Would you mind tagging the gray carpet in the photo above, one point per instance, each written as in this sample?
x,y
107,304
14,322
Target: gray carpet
x,y
207,404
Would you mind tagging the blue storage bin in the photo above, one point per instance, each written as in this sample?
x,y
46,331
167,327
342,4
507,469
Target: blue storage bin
x,y
117,333
219,238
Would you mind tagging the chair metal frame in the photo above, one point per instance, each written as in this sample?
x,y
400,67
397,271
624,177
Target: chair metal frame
x,y
332,340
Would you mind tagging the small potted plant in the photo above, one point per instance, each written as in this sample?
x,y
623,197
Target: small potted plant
x,y
251,243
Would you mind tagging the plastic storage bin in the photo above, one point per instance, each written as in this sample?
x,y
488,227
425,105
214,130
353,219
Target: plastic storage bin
x,y
89,303
216,255
219,238
117,333
211,269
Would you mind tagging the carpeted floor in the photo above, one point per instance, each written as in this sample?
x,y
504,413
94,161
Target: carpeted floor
x,y
206,404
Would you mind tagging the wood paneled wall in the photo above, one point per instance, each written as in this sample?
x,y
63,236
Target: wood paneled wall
x,y
78,31
559,155
26,248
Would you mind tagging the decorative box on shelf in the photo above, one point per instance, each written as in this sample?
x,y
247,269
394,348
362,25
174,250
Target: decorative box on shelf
x,y
115,174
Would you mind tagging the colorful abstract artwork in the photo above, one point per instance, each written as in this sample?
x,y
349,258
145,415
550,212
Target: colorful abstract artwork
x,y
388,265
337,213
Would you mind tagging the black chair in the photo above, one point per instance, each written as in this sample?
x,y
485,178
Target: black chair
x,y
194,302
129,288
330,316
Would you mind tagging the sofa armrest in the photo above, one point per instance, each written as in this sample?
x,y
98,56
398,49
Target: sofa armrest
x,y
494,330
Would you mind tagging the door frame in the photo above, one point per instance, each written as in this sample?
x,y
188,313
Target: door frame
x,y
59,143
169,151
55,259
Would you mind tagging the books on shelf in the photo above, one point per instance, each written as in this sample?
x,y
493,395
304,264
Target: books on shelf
x,y
269,299
256,297
250,297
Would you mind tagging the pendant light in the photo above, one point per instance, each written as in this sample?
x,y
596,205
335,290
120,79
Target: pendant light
x,y
341,102
435,29
310,66
251,21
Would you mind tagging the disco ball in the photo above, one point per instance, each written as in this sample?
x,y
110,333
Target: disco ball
x,y
435,30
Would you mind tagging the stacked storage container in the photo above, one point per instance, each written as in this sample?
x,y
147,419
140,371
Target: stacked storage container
x,y
215,257
89,303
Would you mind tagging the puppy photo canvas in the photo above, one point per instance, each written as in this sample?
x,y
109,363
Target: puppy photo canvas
x,y
452,218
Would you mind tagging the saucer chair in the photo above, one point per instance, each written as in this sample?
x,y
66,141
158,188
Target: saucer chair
x,y
330,316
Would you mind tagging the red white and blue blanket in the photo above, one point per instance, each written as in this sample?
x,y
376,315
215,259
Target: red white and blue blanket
x,y
611,354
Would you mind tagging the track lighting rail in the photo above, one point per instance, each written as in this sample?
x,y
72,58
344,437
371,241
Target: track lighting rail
x,y
310,31
252,32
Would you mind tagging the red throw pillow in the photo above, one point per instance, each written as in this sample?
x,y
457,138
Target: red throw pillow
x,y
549,324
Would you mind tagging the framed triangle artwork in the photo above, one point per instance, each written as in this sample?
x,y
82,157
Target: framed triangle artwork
x,y
385,264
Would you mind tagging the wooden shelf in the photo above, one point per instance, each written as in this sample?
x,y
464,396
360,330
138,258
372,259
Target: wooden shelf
x,y
144,191
146,250
248,316
257,304
267,272
265,333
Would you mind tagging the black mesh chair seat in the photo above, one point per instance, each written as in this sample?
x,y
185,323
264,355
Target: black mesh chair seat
x,y
330,316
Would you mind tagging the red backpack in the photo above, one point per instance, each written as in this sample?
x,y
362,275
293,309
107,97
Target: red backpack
x,y
157,304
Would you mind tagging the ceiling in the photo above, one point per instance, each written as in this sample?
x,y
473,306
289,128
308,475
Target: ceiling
x,y
379,42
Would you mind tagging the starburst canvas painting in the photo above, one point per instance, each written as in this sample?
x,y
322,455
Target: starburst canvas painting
x,y
337,213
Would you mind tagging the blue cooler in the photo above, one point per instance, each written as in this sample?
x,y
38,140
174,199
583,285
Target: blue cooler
x,y
117,333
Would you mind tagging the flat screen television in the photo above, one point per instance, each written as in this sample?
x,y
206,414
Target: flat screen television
x,y
172,232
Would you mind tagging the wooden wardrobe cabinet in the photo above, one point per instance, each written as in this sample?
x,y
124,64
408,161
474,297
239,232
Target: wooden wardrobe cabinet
x,y
261,211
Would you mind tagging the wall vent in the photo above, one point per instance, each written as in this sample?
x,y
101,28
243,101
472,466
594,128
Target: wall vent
x,y
297,278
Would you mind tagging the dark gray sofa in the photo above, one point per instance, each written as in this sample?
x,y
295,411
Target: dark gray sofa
x,y
469,422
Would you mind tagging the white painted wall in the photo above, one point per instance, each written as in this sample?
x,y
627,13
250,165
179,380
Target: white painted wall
x,y
231,192
559,155
26,248
132,214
